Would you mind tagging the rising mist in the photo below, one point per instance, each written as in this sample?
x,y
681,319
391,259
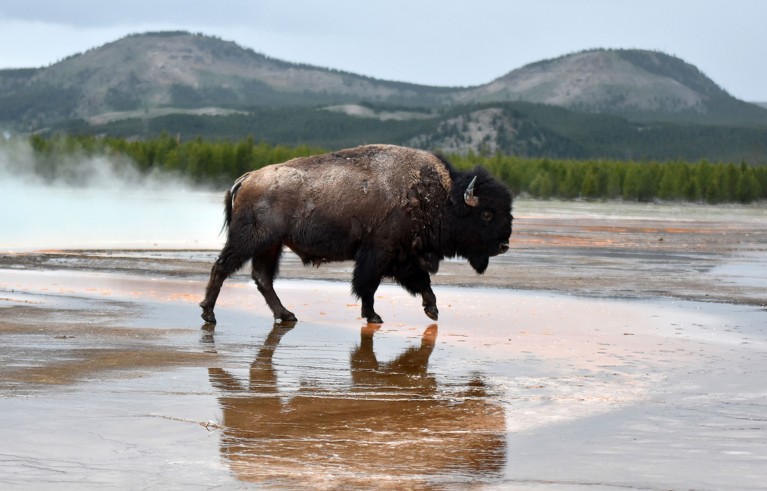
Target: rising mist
x,y
99,202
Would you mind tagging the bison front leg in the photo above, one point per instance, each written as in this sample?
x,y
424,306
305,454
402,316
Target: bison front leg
x,y
367,297
418,282
365,281
430,304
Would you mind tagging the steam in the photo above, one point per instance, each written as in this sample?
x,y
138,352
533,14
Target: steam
x,y
99,201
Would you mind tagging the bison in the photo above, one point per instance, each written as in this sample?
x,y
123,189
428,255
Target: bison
x,y
396,211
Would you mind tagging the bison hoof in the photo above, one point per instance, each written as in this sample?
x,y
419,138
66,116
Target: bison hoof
x,y
287,317
208,316
431,312
373,318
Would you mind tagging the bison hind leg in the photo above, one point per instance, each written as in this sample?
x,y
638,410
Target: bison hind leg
x,y
265,268
229,261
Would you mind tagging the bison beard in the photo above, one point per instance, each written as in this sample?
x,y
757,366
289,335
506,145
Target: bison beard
x,y
396,211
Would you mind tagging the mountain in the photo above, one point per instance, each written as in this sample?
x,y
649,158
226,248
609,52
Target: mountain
x,y
636,84
154,71
596,103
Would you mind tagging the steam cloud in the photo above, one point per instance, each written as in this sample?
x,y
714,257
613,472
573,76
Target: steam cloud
x,y
99,202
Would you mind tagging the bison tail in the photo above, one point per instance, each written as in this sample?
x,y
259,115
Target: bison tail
x,y
227,210
229,197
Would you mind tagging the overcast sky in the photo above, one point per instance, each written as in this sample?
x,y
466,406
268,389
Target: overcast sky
x,y
434,42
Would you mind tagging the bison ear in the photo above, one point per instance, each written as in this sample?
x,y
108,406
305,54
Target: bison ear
x,y
468,195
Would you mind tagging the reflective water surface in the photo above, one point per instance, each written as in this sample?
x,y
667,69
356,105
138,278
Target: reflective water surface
x,y
390,421
110,381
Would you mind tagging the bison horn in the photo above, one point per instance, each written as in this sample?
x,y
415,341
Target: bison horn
x,y
468,196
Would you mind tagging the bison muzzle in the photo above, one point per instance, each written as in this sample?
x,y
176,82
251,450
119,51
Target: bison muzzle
x,y
396,211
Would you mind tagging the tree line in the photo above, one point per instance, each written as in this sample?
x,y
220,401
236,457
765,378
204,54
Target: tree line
x,y
215,163
628,180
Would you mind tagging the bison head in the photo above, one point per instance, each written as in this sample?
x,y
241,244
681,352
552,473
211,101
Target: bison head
x,y
480,209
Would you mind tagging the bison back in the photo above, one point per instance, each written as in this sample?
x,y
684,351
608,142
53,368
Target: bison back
x,y
324,206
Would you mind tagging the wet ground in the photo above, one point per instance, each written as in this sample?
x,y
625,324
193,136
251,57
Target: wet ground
x,y
612,348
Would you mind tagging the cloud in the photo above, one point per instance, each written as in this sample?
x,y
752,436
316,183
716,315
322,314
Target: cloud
x,y
90,14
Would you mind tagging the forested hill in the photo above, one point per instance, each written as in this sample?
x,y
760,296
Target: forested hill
x,y
195,85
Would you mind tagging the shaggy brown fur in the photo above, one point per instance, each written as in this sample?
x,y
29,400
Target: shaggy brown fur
x,y
395,211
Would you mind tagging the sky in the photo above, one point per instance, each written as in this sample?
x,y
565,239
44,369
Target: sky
x,y
432,42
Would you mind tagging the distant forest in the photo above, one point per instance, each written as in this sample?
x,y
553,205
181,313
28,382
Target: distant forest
x,y
216,163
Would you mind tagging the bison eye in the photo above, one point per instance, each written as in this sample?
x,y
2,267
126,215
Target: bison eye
x,y
487,216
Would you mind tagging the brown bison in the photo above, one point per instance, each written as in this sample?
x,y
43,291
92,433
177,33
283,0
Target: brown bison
x,y
396,211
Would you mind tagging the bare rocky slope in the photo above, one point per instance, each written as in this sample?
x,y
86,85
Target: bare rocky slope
x,y
602,80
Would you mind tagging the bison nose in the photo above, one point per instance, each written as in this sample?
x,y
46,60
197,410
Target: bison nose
x,y
503,247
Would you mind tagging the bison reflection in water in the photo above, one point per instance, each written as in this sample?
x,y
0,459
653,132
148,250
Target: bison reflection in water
x,y
397,212
394,424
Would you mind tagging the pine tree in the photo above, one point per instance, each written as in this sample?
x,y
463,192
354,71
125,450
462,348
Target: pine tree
x,y
748,188
590,187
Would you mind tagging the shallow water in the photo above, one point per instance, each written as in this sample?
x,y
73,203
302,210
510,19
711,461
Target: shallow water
x,y
110,380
